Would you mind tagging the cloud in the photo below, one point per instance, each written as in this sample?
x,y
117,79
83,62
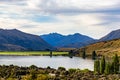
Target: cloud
x,y
74,6
94,18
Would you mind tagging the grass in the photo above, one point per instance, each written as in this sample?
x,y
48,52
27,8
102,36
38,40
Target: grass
x,y
33,53
106,48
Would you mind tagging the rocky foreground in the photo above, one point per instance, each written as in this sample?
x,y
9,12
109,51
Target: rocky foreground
x,y
36,73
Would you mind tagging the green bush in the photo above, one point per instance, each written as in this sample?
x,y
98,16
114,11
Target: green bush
x,y
61,68
71,70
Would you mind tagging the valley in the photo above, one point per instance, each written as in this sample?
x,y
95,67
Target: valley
x,y
65,56
59,39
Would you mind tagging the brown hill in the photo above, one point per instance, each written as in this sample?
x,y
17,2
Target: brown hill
x,y
107,48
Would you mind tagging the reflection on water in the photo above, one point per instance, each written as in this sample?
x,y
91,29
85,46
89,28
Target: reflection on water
x,y
44,61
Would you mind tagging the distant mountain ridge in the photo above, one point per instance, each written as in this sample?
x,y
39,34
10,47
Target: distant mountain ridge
x,y
16,40
52,38
75,40
112,35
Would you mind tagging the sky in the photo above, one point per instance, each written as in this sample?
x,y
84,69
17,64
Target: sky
x,y
94,18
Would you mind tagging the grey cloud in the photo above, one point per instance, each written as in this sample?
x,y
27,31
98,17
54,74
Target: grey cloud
x,y
13,2
52,7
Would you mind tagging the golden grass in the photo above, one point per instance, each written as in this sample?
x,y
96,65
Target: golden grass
x,y
106,48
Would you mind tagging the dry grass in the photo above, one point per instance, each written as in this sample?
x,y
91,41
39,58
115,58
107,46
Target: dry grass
x,y
106,48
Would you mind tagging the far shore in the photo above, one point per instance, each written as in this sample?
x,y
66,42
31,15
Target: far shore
x,y
33,53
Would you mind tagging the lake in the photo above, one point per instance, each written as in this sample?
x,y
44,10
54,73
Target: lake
x,y
44,61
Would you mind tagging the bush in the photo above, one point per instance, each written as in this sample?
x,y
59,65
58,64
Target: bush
x,y
61,68
72,70
33,67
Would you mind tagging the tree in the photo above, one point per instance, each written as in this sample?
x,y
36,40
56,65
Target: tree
x,y
33,67
116,64
94,55
108,68
50,53
112,67
96,66
102,65
71,53
84,54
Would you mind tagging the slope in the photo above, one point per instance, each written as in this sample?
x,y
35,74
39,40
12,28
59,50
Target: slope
x,y
107,48
70,41
22,40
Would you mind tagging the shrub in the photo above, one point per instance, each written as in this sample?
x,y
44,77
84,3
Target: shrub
x,y
61,68
72,70
33,67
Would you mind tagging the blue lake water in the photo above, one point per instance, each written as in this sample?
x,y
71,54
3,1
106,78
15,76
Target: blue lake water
x,y
44,61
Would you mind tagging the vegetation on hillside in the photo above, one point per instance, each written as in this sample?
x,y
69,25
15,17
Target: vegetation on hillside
x,y
106,48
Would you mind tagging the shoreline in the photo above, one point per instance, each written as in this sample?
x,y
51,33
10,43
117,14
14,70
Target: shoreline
x,y
37,73
32,53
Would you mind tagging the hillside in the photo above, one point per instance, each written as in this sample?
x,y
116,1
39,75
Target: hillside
x,y
112,35
107,48
67,41
52,38
17,40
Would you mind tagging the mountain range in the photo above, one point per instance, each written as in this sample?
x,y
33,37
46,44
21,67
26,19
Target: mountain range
x,y
14,40
17,40
68,41
76,40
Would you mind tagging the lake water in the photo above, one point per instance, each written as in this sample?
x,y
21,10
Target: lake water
x,y
44,61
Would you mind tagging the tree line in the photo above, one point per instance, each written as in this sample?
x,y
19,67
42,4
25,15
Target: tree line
x,y
107,67
93,56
